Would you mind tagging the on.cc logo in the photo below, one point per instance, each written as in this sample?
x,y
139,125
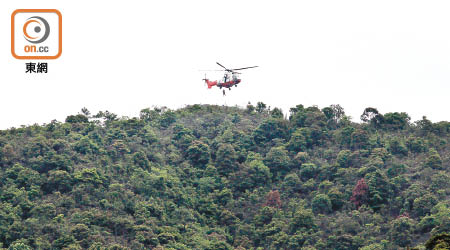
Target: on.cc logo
x,y
39,32
36,34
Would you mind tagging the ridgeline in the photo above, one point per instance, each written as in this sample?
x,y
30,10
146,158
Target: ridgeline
x,y
222,178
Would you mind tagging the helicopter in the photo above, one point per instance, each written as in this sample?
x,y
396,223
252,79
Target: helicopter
x,y
229,79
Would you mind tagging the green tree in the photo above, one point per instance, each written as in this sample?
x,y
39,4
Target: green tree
x,y
182,137
58,180
276,113
438,242
260,107
198,153
291,183
80,118
342,242
396,120
141,160
321,203
80,231
297,142
277,159
167,118
264,215
416,145
86,146
19,246
303,219
250,108
359,139
434,159
308,170
401,230
270,129
375,246
251,174
89,175
424,204
344,158
379,189
372,116
226,159
336,198
343,136
397,147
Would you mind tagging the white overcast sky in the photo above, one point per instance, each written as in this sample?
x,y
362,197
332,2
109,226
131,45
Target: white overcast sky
x,y
123,56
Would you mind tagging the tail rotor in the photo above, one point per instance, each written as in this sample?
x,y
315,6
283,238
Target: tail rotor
x,y
205,80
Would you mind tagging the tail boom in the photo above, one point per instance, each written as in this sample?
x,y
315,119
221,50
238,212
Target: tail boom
x,y
210,83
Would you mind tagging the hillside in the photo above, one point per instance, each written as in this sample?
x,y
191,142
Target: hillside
x,y
221,178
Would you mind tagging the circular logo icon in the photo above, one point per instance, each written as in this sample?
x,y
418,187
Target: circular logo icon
x,y
36,29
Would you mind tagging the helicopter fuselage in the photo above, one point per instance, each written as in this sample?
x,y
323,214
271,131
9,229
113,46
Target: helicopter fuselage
x,y
228,84
229,80
222,84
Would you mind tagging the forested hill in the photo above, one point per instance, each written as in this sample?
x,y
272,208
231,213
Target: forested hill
x,y
221,178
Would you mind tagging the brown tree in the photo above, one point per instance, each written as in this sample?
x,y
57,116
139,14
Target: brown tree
x,y
360,193
273,199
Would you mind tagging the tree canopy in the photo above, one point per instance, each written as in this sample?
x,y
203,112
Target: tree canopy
x,y
215,177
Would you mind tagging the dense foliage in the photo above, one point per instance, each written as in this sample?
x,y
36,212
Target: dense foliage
x,y
221,178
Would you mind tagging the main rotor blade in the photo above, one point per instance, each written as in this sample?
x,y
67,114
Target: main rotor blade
x,y
221,66
245,68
